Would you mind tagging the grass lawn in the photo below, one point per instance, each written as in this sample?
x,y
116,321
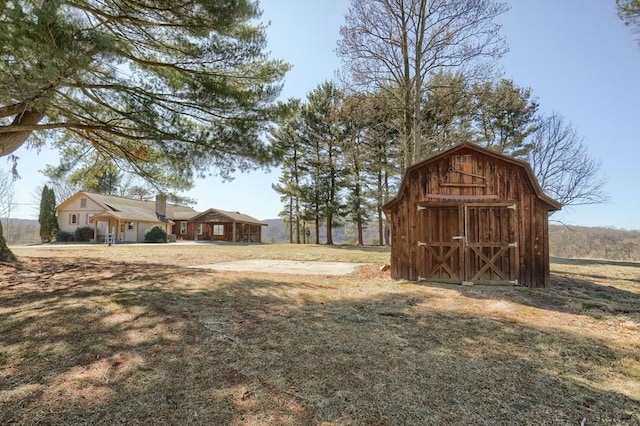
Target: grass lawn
x,y
127,334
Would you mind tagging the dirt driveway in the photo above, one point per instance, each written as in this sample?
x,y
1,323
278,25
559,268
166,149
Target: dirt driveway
x,y
285,267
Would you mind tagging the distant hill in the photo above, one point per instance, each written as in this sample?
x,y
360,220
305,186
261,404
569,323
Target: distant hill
x,y
21,231
594,242
278,232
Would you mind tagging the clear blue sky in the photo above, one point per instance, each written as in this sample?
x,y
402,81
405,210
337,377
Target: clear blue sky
x,y
576,55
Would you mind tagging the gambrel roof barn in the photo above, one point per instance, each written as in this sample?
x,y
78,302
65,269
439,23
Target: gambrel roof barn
x,y
470,215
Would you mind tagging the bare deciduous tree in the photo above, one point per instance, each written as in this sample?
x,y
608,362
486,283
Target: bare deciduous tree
x,y
6,198
563,166
396,45
6,193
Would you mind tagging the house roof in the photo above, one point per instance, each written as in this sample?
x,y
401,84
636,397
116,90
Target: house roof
x,y
553,204
128,209
145,211
233,216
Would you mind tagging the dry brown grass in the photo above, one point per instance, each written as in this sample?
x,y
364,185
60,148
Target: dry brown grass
x,y
127,335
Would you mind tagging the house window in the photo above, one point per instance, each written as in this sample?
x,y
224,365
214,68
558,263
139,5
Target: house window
x,y
90,218
199,229
218,229
73,218
130,226
183,227
83,203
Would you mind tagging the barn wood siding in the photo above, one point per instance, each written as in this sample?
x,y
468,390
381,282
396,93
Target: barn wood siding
x,y
501,205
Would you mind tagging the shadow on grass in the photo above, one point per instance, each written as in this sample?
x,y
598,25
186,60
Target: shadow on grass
x,y
567,295
146,345
587,262
572,292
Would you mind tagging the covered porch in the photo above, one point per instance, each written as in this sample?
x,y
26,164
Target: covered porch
x,y
123,229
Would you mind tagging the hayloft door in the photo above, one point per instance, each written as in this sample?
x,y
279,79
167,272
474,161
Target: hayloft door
x,y
491,253
441,243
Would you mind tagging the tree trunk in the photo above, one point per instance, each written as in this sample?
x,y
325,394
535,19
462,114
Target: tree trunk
x,y
360,232
297,220
11,141
387,233
6,255
290,220
380,227
330,229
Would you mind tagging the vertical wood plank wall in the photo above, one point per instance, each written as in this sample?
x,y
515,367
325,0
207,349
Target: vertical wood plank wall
x,y
468,176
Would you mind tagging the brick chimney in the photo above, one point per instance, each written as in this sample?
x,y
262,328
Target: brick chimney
x,y
161,206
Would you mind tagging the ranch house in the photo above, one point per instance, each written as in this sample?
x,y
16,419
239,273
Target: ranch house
x,y
127,220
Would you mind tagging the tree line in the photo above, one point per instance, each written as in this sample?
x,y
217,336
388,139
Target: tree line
x,y
583,242
343,157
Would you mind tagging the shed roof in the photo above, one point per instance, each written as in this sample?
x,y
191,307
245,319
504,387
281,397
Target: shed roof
x,y
552,204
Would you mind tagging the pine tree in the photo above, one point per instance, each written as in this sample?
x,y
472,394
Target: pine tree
x,y
286,138
169,91
323,135
47,217
357,159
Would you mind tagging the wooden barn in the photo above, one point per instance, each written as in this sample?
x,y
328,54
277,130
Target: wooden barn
x,y
472,216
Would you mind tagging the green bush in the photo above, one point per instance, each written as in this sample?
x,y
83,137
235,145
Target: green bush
x,y
84,234
64,236
155,235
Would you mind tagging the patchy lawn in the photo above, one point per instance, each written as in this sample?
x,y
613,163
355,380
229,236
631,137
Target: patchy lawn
x,y
128,334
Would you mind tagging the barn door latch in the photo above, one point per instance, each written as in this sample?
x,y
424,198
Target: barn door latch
x,y
513,206
420,244
421,208
458,237
514,282
514,245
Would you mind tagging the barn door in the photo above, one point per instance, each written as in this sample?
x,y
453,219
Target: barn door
x,y
473,243
491,253
441,243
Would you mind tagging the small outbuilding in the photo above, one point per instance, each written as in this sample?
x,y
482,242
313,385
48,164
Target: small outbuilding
x,y
219,225
472,216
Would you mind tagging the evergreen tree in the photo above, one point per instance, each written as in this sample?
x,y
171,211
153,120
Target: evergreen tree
x,y
167,90
287,140
505,116
323,135
356,160
47,217
448,112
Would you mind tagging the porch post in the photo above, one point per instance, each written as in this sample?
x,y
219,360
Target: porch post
x,y
233,237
